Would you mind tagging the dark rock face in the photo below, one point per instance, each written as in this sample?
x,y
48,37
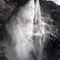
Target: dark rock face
x,y
52,48
5,10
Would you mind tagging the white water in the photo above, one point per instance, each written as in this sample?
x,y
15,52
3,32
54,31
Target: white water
x,y
22,30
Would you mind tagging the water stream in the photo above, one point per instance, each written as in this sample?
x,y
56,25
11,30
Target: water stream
x,y
28,33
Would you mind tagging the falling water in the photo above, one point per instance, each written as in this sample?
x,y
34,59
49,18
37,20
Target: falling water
x,y
28,33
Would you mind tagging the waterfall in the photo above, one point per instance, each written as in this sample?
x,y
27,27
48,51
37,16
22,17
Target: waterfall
x,y
20,29
28,32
